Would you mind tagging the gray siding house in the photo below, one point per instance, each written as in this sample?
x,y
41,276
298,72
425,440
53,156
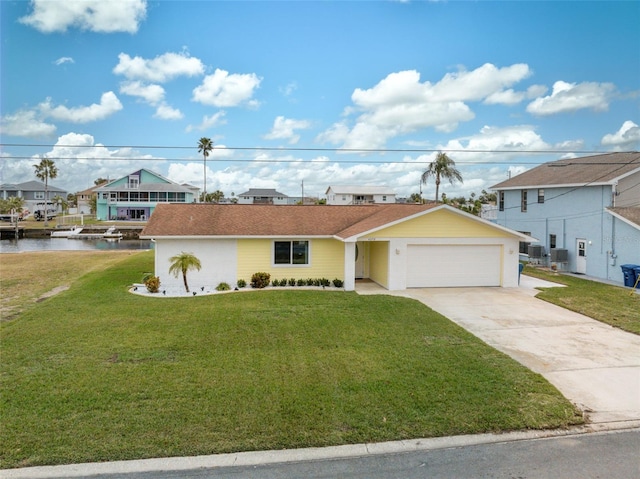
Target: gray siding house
x,y
33,193
262,196
585,213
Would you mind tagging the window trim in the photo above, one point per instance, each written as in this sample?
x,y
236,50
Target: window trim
x,y
38,195
523,201
291,263
541,195
501,201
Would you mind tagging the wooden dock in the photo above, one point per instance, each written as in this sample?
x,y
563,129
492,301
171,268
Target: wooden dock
x,y
11,231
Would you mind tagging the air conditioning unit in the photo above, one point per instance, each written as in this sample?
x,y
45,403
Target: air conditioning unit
x,y
536,251
559,255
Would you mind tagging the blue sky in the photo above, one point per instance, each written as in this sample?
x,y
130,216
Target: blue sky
x,y
287,90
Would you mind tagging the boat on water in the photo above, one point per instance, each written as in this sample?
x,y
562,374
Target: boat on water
x,y
110,234
75,230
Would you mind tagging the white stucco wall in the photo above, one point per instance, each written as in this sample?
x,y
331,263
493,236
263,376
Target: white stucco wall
x,y
218,259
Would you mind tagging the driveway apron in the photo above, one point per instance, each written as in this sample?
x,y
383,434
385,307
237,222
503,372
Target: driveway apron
x,y
594,365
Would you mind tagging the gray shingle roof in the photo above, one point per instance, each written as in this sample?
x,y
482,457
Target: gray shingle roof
x,y
263,193
596,170
631,214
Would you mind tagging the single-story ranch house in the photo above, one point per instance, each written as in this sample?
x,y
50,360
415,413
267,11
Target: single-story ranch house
x,y
398,246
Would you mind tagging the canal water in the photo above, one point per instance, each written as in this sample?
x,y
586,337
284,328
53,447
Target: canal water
x,y
64,244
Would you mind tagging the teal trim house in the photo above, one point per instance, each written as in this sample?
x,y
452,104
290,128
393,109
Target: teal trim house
x,y
135,196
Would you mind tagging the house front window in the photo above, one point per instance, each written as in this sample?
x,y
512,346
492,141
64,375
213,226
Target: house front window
x,y
552,241
540,195
38,195
291,252
501,201
134,182
523,201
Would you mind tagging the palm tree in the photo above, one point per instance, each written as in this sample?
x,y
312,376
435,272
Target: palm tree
x,y
183,262
442,167
44,170
205,145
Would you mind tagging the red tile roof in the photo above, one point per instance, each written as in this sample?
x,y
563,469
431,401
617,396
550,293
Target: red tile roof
x,y
202,219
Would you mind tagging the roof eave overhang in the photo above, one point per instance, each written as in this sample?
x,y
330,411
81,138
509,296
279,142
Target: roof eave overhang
x,y
543,186
623,219
223,237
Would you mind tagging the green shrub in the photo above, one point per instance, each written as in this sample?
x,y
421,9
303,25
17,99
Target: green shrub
x,y
241,283
153,284
223,287
292,281
146,276
325,282
338,283
260,280
301,282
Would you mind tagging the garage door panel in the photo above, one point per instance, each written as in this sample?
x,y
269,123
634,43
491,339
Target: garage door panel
x,y
432,266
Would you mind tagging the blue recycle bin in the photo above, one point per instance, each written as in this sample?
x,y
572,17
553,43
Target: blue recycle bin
x,y
520,268
630,273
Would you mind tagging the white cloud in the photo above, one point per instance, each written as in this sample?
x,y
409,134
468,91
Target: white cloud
x,y
512,97
109,104
209,122
226,90
159,69
166,112
93,15
25,123
284,129
401,104
289,89
81,160
570,97
627,137
152,94
63,60
491,142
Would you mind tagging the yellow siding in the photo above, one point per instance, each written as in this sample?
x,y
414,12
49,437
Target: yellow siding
x,y
379,262
439,224
327,260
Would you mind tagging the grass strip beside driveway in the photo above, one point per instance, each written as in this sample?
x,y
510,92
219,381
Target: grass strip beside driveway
x,y
96,374
610,304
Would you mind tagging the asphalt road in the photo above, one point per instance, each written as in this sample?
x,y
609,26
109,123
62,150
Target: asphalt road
x,y
611,455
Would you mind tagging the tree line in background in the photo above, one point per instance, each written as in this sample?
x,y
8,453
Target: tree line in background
x,y
442,167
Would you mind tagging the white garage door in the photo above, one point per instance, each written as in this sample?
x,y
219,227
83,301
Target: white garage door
x,y
436,266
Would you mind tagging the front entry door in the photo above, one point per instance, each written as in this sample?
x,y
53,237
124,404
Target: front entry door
x,y
581,256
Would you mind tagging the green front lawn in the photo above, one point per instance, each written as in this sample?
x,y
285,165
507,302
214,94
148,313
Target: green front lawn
x,y
97,374
613,305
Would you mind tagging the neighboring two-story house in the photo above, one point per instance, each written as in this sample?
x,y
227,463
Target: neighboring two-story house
x,y
262,196
359,195
34,195
585,213
84,197
135,196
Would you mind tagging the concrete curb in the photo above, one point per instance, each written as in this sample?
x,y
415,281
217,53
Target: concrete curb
x,y
255,458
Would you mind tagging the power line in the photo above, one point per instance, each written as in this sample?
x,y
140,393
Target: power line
x,y
266,160
338,150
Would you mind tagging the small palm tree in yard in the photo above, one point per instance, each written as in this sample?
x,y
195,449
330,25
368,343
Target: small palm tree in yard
x,y
183,262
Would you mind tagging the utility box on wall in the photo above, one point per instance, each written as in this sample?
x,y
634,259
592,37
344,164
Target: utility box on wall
x,y
536,251
559,255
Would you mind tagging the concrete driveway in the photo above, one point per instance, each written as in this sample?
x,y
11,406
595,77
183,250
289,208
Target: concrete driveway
x,y
594,365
